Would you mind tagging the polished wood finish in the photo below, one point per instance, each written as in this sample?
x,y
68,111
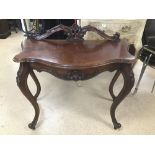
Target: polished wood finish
x,y
68,54
75,60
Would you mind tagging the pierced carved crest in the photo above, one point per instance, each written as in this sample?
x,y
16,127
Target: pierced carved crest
x,y
75,32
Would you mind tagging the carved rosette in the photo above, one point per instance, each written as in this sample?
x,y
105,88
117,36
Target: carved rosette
x,y
76,32
75,75
68,74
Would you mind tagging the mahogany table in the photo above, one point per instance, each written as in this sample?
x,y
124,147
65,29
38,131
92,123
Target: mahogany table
x,y
75,59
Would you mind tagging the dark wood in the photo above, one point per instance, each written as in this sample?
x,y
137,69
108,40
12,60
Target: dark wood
x,y
128,76
36,82
75,32
49,23
75,60
66,54
22,75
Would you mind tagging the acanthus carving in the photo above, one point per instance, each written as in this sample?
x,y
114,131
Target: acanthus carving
x,y
75,32
68,74
19,73
74,75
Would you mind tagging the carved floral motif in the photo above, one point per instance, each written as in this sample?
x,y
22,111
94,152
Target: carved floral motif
x,y
75,32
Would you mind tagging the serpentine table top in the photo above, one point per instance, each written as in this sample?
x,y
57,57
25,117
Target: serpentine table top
x,y
70,54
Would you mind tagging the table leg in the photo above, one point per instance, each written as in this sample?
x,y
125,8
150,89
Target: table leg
x,y
117,74
22,76
128,76
36,82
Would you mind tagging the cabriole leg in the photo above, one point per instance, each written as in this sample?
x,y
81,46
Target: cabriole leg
x,y
128,76
36,82
111,90
22,76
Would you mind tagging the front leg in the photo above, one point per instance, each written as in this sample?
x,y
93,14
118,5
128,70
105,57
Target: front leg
x,y
36,82
128,76
22,76
111,87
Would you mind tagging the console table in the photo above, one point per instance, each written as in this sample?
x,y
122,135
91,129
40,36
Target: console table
x,y
75,59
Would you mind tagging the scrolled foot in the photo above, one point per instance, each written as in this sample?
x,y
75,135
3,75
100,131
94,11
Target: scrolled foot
x,y
117,125
32,125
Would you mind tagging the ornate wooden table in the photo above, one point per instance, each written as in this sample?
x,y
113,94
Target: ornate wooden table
x,y
75,59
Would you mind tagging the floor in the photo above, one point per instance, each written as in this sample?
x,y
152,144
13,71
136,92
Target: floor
x,y
70,107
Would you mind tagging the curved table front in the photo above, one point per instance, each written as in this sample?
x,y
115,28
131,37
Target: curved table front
x,y
75,60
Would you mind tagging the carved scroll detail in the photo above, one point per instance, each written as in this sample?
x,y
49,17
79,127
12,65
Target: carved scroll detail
x,y
75,32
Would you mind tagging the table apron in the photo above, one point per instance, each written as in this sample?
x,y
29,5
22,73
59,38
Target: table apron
x,y
76,74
